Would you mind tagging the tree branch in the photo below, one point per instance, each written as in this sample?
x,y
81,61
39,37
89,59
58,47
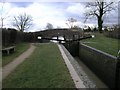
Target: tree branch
x,y
22,22
108,5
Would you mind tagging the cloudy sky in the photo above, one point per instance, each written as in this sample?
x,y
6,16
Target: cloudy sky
x,y
55,13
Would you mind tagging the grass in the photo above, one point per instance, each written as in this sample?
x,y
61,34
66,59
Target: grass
x,y
45,68
108,45
19,49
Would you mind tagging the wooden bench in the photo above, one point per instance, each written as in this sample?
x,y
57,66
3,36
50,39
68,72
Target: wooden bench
x,y
8,50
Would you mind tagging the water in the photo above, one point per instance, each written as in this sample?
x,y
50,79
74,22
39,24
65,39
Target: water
x,y
91,75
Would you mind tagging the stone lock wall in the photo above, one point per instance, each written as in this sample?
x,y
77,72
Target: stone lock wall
x,y
102,64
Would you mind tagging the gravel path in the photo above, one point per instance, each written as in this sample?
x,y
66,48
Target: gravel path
x,y
6,70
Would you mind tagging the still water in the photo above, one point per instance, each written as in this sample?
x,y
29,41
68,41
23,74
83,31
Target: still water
x,y
90,74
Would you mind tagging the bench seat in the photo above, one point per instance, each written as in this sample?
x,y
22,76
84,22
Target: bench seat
x,y
8,50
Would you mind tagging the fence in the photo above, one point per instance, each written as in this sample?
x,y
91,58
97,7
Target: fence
x,y
12,36
113,34
102,64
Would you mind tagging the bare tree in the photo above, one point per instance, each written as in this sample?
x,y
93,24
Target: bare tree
x,y
70,22
3,15
22,22
49,26
99,9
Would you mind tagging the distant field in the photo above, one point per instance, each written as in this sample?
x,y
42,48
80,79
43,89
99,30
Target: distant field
x,y
19,49
108,45
45,68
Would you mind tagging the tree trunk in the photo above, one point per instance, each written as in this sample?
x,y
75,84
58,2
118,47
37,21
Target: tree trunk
x,y
100,20
100,24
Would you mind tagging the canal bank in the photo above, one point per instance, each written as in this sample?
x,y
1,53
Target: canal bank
x,y
89,79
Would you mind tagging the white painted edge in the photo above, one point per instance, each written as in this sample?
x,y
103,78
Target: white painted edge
x,y
76,79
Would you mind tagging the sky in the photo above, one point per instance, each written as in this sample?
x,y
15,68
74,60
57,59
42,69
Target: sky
x,y
55,13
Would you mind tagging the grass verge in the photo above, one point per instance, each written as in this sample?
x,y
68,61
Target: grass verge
x,y
19,49
108,45
45,68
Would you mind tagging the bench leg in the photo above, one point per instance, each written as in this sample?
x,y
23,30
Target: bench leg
x,y
8,52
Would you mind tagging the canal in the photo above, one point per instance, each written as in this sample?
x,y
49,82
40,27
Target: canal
x,y
90,74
